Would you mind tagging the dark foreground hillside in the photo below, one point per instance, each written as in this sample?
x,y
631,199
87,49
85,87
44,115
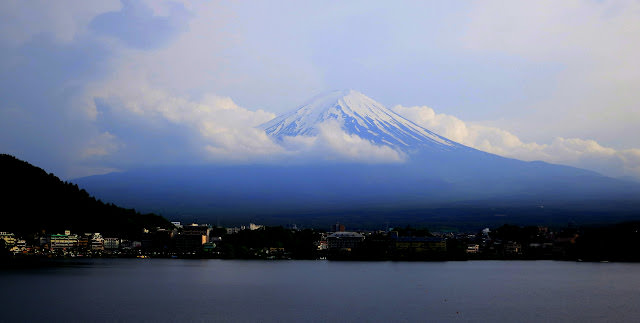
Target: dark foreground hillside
x,y
34,200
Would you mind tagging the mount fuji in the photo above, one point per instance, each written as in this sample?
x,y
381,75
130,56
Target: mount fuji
x,y
439,181
358,115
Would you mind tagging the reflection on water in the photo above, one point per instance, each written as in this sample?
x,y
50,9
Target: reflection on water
x,y
224,290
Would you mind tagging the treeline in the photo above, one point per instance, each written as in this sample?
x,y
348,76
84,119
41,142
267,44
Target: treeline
x,y
607,242
617,242
34,201
270,242
613,243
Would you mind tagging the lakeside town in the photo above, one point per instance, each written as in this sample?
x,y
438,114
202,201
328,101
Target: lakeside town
x,y
58,226
614,243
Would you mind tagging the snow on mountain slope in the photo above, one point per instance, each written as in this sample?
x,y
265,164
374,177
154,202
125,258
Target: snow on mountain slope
x,y
359,115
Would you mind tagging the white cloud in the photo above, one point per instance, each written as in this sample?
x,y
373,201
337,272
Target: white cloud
x,y
217,127
576,152
334,144
355,148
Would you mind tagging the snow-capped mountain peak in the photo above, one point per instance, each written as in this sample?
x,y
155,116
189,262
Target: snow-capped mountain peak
x,y
359,115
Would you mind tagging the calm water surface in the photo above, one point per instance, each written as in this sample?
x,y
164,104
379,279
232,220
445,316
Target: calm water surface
x,y
275,291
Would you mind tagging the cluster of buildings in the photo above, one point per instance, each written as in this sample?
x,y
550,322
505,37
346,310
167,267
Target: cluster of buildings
x,y
348,241
534,242
342,244
504,243
66,243
207,241
187,239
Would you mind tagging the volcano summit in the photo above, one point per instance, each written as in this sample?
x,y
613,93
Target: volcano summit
x,y
358,115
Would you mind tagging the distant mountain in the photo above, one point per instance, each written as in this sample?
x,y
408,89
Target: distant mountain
x,y
440,177
33,200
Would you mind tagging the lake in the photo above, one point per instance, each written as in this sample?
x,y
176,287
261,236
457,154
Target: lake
x,y
320,291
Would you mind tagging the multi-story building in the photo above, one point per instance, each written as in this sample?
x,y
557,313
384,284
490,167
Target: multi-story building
x,y
97,242
197,229
129,244
64,241
193,237
111,243
21,244
84,242
9,238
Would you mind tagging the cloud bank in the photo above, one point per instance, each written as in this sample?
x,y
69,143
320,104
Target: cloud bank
x,y
576,152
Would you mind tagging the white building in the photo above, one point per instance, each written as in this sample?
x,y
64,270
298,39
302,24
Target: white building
x,y
97,242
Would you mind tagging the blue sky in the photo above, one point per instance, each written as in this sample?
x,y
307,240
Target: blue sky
x,y
91,87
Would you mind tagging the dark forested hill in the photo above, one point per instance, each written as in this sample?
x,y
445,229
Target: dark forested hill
x,y
33,200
